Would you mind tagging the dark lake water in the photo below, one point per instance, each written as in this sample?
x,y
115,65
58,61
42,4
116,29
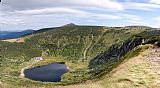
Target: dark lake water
x,y
47,73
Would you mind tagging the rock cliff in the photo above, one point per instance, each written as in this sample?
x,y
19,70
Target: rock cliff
x,y
107,59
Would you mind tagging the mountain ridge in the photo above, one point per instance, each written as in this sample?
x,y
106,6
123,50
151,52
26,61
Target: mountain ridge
x,y
12,35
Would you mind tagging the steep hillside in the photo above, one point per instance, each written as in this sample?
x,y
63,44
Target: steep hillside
x,y
106,60
89,51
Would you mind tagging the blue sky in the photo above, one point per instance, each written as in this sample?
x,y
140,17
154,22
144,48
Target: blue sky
x,y
36,14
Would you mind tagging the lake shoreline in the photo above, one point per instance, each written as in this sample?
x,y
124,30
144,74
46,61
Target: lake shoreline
x,y
23,74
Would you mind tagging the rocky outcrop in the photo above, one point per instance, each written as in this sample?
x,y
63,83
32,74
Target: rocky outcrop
x,y
113,55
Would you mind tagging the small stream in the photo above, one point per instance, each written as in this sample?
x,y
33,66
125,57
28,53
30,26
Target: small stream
x,y
47,73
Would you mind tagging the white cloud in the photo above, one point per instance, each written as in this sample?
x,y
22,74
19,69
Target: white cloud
x,y
66,11
140,6
54,10
33,4
155,1
156,18
154,24
135,22
105,16
11,21
108,4
50,15
131,17
58,12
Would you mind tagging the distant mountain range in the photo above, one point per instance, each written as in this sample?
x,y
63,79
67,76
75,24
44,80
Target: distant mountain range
x,y
52,28
11,35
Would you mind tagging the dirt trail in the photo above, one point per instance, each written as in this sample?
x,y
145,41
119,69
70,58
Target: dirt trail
x,y
154,58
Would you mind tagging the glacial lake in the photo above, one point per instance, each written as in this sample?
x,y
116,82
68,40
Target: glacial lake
x,y
47,73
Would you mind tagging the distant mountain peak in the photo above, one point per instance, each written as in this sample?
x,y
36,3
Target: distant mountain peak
x,y
28,30
70,24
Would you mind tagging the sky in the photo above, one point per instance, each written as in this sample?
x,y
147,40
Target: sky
x,y
36,14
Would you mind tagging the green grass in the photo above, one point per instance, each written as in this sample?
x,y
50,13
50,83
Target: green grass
x,y
64,44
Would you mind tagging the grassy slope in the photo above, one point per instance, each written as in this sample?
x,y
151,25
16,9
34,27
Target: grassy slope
x,y
80,42
134,72
65,44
